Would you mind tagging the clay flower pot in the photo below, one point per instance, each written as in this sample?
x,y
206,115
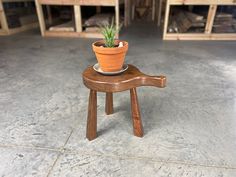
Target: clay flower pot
x,y
110,59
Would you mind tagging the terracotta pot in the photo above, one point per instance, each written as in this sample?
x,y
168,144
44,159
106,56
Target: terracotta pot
x,y
110,59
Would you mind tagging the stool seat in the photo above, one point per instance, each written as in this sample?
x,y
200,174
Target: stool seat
x,y
131,78
128,80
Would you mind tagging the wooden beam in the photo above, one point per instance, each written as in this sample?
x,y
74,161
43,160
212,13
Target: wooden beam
x,y
58,2
129,4
97,2
81,2
153,9
210,18
72,34
3,32
3,19
117,15
78,18
133,6
159,12
127,13
18,0
39,10
167,14
201,2
203,36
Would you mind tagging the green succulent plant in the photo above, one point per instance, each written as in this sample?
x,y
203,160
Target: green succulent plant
x,y
109,32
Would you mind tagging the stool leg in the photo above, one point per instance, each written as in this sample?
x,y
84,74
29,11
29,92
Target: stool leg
x,y
92,116
136,117
109,103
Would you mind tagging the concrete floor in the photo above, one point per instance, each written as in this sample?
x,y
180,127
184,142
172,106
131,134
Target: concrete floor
x,y
190,126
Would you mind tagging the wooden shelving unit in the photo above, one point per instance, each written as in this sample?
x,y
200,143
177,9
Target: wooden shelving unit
x,y
207,34
78,17
4,27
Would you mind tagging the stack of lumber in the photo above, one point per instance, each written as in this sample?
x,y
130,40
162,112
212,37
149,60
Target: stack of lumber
x,y
18,17
66,27
28,19
99,19
92,24
143,9
224,23
183,21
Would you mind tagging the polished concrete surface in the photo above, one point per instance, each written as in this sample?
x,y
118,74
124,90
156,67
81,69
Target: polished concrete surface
x,y
190,126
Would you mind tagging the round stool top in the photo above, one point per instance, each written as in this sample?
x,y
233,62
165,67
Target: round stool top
x,y
131,78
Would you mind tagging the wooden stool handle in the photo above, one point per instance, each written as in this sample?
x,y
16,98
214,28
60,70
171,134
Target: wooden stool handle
x,y
156,81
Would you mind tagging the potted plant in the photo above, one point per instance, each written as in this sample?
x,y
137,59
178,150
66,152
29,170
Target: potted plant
x,y
110,52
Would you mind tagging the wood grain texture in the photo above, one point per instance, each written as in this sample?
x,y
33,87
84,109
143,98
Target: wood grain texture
x,y
136,116
131,78
128,80
81,2
78,18
40,14
92,116
201,2
3,20
210,18
109,104
207,35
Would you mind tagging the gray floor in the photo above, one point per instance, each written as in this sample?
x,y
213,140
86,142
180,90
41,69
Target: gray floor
x,y
190,126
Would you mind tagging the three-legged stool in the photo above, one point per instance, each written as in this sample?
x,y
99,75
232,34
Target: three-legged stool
x,y
128,80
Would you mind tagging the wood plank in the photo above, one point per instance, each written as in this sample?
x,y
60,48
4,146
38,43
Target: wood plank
x,y
3,32
127,12
3,19
60,34
39,10
167,14
159,12
182,21
194,17
203,36
210,18
69,26
97,2
64,29
18,0
208,35
24,28
82,2
58,2
117,15
73,34
78,18
153,9
133,9
201,2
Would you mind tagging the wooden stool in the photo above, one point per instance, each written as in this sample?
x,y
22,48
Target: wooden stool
x,y
128,80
